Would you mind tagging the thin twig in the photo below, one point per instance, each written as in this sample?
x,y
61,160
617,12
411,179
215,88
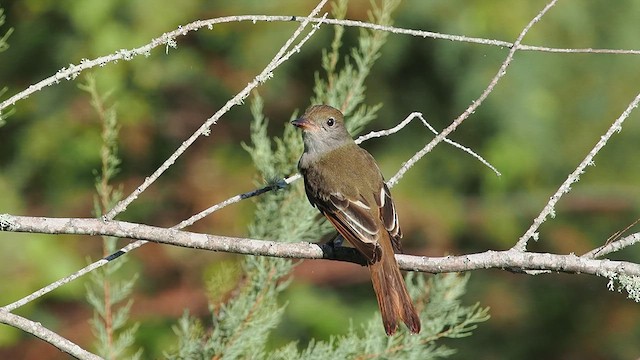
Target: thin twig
x,y
605,249
67,279
613,246
467,39
237,198
548,209
407,120
168,40
475,104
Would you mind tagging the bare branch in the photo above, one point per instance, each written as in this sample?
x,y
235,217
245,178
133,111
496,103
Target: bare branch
x,y
237,198
168,40
406,121
518,261
510,259
45,334
461,38
613,246
548,210
475,104
85,270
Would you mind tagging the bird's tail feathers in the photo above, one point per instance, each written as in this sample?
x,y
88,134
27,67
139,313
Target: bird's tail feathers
x,y
393,298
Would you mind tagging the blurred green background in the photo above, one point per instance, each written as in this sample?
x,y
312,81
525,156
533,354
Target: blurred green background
x,y
538,124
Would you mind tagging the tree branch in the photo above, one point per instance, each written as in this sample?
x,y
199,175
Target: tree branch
x,y
613,246
549,208
168,40
45,334
508,260
502,71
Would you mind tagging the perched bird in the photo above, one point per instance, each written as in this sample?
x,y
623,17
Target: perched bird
x,y
344,182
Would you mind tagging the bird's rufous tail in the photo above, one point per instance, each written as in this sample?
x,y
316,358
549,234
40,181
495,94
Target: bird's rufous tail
x,y
393,298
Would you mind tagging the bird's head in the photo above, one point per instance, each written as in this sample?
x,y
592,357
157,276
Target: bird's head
x,y
323,129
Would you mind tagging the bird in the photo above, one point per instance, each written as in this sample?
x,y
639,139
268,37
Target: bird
x,y
343,181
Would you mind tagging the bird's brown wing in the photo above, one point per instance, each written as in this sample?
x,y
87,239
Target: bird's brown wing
x,y
354,221
389,217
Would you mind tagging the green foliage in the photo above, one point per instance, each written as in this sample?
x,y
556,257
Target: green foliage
x,y
242,325
106,197
272,160
443,316
111,303
446,316
3,39
109,298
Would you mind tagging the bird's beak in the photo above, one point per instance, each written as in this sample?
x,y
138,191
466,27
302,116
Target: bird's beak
x,y
303,123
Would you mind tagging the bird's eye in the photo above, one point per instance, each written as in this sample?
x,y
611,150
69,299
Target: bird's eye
x,y
331,121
